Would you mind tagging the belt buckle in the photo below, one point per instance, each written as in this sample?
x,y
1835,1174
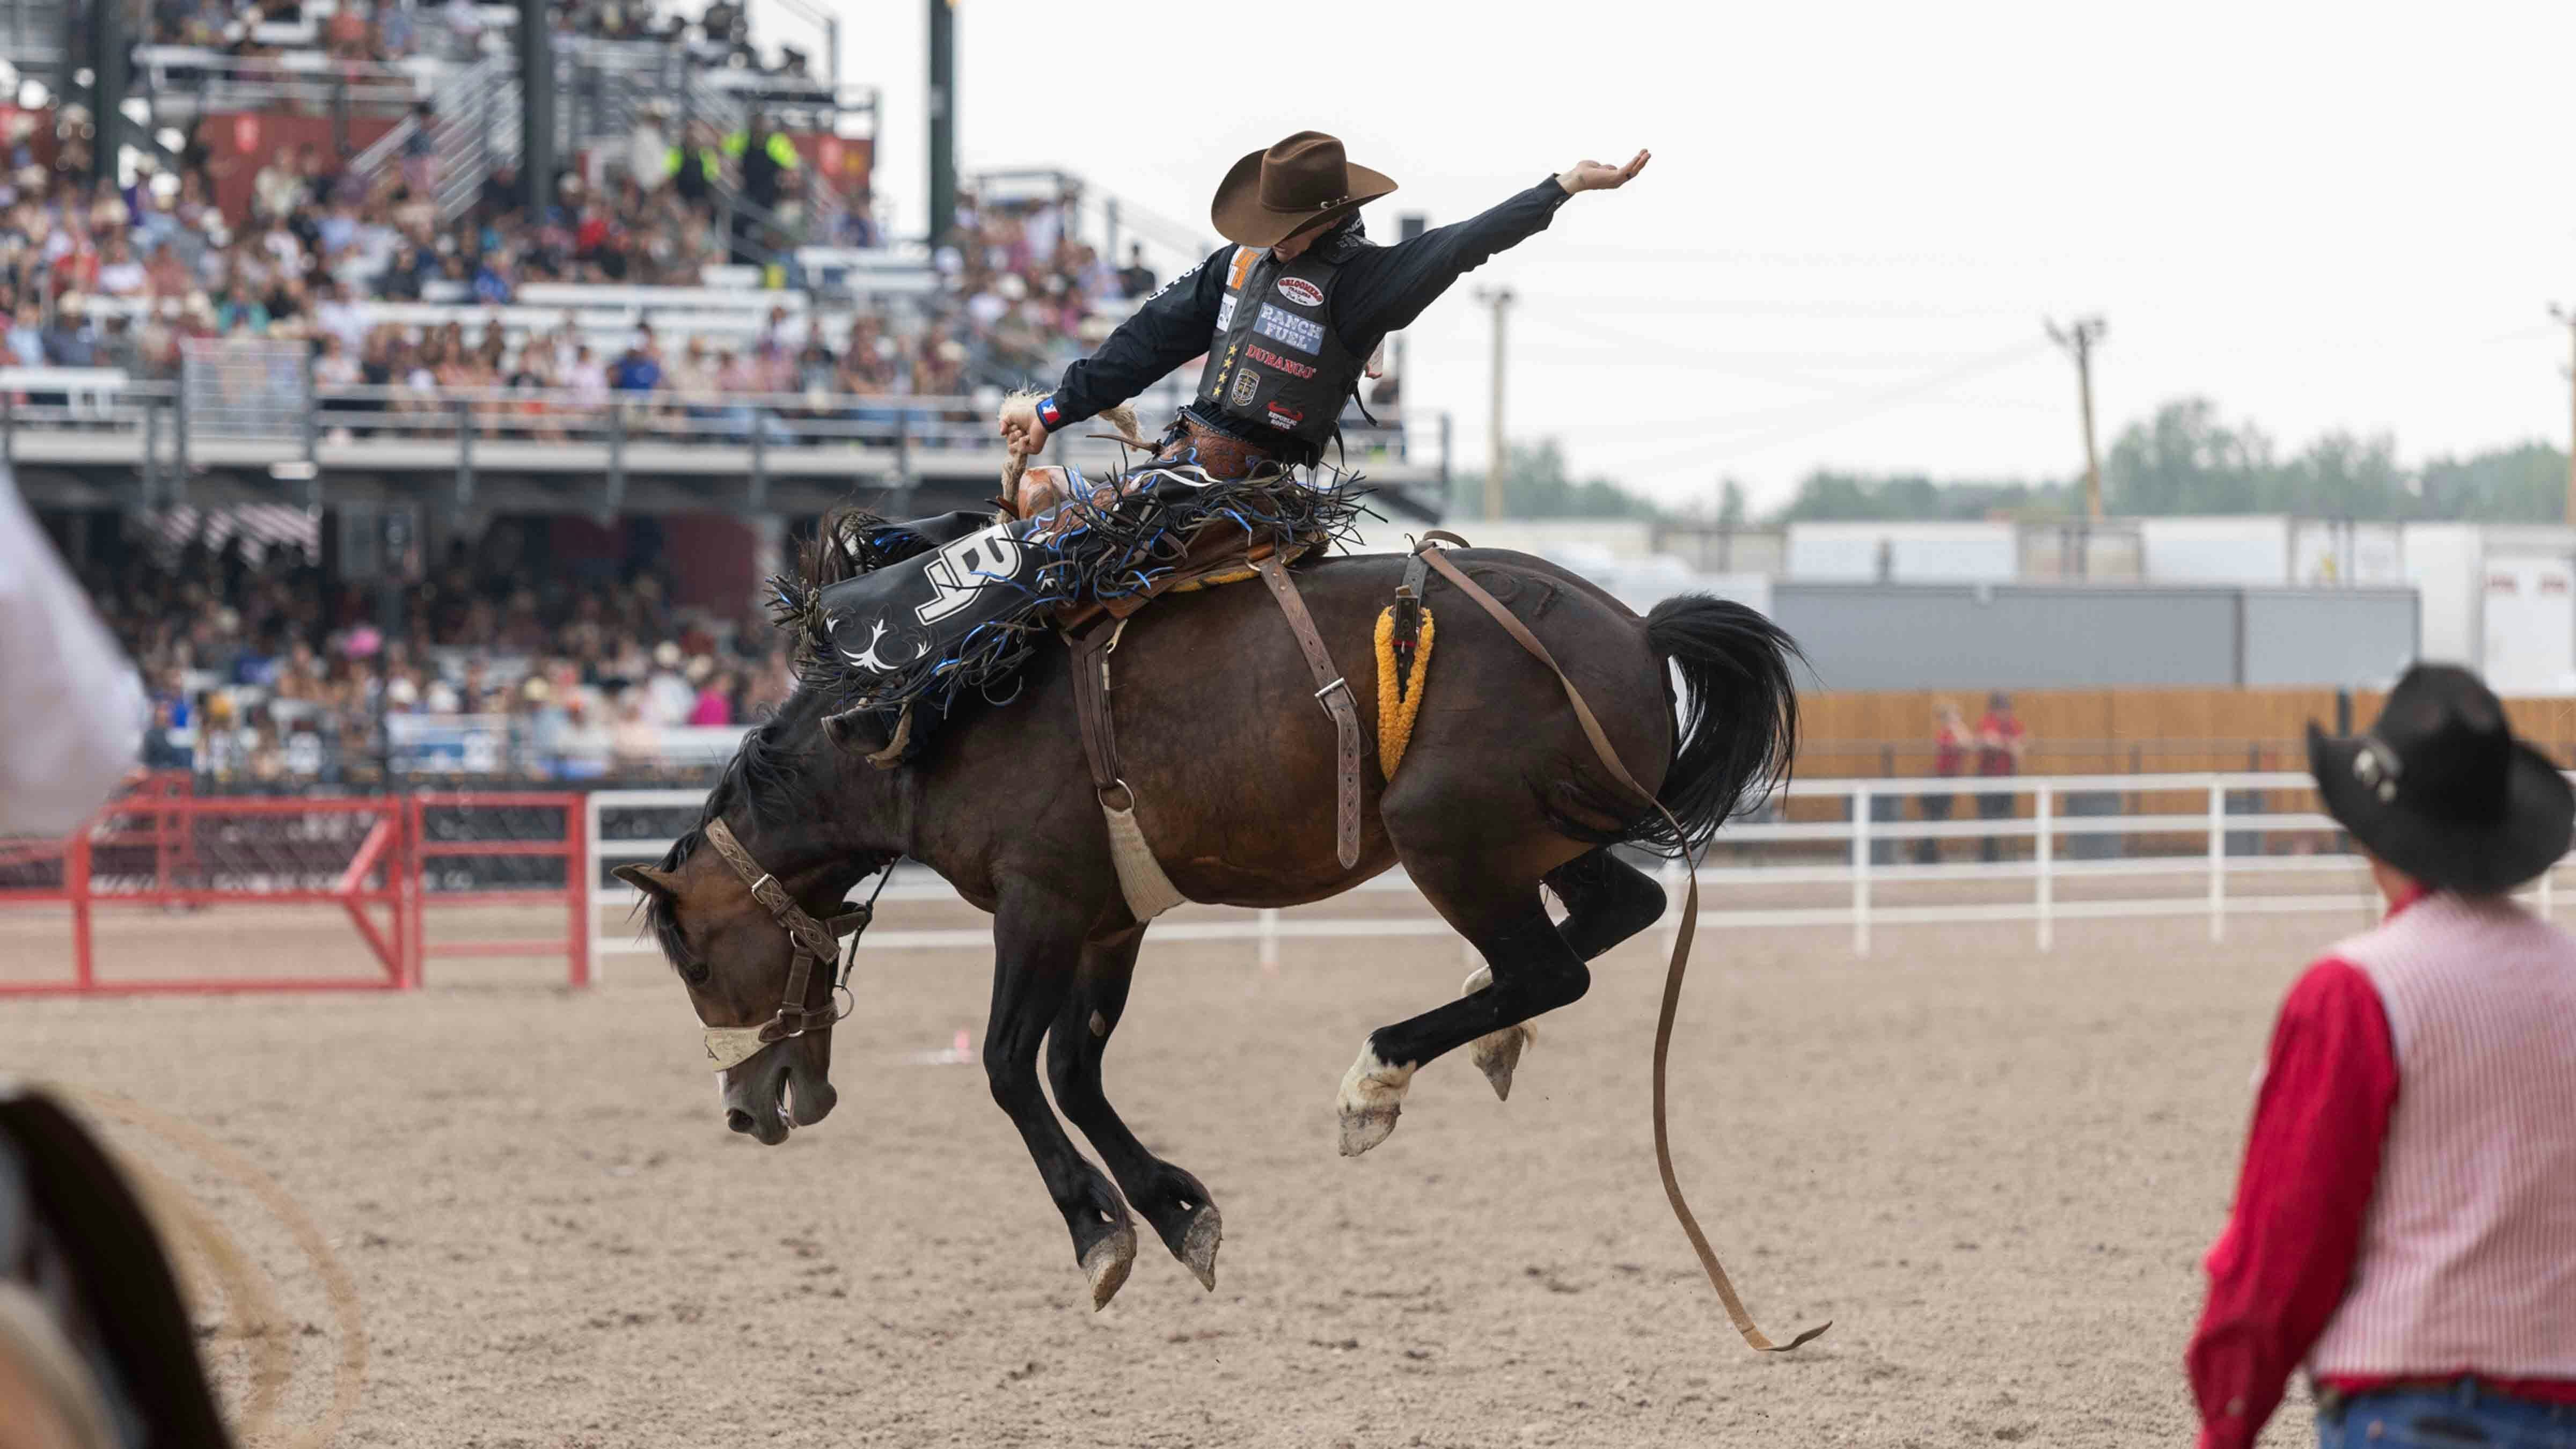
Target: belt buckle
x,y
1340,684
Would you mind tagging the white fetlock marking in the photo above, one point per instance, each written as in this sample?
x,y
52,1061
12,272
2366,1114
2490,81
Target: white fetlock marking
x,y
1372,1098
1372,1086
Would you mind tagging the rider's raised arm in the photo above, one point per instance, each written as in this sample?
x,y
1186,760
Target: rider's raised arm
x,y
1172,327
1385,288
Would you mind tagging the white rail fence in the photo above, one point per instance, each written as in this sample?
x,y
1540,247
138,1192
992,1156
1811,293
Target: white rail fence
x,y
2076,848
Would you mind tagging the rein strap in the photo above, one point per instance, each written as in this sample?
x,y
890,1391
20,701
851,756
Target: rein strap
x,y
1735,1311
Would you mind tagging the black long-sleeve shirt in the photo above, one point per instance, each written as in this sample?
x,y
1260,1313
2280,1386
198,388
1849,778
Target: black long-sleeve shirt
x,y
1380,289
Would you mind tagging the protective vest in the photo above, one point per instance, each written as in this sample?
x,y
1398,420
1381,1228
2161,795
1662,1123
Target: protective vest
x,y
1275,361
2464,1264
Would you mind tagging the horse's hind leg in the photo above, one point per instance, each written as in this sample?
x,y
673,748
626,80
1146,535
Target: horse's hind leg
x,y
1037,941
1172,1200
1607,900
1533,971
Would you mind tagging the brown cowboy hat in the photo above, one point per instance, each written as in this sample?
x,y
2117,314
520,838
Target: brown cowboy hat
x,y
2440,788
1301,183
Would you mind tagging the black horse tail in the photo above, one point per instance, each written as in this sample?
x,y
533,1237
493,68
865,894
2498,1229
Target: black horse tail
x,y
1738,714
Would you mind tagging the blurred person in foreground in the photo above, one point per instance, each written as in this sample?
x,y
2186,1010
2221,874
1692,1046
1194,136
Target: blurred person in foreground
x,y
71,716
2405,1224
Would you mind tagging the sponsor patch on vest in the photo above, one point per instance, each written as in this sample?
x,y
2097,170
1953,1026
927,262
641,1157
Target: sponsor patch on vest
x,y
1285,326
1285,418
1246,383
1300,291
1225,312
1268,358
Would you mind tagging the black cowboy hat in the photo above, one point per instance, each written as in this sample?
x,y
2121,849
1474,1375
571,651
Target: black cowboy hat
x,y
1301,183
2440,788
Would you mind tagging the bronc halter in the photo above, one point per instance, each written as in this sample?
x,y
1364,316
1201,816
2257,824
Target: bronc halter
x,y
730,1046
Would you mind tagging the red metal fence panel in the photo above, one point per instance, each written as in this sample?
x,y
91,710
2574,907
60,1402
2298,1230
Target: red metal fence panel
x,y
384,861
500,830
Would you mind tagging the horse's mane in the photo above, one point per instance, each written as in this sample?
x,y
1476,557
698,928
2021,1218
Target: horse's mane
x,y
762,775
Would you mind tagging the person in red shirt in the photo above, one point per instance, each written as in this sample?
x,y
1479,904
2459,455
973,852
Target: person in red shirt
x,y
2405,1222
1949,757
2000,739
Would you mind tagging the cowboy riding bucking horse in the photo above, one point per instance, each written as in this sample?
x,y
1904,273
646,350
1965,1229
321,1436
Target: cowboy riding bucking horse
x,y
1240,759
1288,317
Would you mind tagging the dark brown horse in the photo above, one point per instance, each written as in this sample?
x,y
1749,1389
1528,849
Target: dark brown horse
x,y
1232,762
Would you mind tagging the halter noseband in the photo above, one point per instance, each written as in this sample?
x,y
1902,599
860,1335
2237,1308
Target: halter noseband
x,y
731,1046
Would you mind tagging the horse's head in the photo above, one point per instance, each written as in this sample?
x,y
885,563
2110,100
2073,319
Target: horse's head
x,y
749,902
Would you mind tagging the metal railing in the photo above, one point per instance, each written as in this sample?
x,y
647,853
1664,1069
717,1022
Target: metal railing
x,y
184,81
2216,846
160,429
473,127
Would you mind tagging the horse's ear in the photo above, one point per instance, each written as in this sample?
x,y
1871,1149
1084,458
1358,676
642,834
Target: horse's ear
x,y
658,884
836,728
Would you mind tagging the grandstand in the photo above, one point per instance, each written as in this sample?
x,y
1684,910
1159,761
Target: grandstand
x,y
427,388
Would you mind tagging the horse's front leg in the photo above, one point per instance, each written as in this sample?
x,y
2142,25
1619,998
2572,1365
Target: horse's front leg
x,y
1172,1200
1037,940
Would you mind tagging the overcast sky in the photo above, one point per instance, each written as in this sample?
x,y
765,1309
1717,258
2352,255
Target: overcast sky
x,y
1857,216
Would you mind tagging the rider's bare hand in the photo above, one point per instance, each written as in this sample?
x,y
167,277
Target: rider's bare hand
x,y
1021,428
1593,176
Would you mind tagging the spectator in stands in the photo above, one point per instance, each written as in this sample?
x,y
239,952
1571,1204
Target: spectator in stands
x,y
27,336
587,380
714,704
1949,756
2000,741
68,342
1135,279
120,273
639,369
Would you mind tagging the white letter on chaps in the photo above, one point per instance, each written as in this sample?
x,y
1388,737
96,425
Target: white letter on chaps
x,y
961,568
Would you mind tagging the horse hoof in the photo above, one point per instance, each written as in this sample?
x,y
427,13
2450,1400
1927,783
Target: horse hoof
x,y
1372,1097
1198,1245
1499,1054
1367,1128
1107,1264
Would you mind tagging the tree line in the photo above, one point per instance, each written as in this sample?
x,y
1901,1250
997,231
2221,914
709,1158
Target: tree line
x,y
2186,459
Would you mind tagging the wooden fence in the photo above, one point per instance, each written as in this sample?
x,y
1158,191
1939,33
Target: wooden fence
x,y
1888,733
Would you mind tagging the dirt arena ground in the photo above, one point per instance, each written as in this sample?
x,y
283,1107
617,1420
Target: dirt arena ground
x,y
1995,1171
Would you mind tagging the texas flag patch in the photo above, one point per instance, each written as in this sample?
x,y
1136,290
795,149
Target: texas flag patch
x,y
1048,413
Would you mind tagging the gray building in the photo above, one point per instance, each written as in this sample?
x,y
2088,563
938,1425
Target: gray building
x,y
2049,636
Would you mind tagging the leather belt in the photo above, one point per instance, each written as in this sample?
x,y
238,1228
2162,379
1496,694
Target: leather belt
x,y
1334,694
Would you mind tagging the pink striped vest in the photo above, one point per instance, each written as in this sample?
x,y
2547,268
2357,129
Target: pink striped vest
x,y
2468,1254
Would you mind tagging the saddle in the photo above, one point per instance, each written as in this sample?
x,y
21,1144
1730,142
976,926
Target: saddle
x,y
958,602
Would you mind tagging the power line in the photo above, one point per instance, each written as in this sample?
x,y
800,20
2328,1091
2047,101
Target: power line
x,y
1864,407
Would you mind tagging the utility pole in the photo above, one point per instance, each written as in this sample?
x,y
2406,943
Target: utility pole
x,y
2567,316
1498,298
2079,338
943,119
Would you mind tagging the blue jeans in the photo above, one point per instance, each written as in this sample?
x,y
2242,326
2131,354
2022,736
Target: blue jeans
x,y
2465,1417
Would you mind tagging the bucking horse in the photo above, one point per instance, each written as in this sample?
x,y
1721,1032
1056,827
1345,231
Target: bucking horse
x,y
1509,787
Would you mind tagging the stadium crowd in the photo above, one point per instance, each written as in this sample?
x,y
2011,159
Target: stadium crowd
x,y
508,673
318,243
